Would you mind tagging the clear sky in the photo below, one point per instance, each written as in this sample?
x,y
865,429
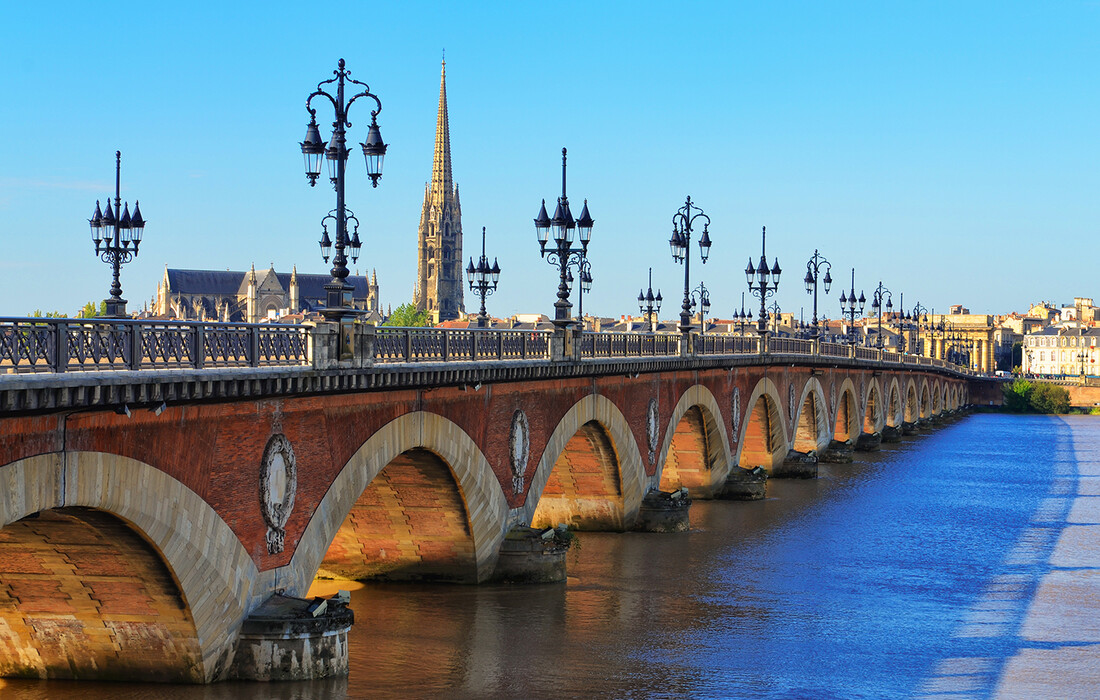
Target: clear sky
x,y
949,149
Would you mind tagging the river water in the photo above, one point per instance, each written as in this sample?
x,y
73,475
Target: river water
x,y
924,570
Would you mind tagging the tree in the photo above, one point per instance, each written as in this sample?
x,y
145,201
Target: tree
x,y
406,316
1018,395
90,310
1049,398
37,313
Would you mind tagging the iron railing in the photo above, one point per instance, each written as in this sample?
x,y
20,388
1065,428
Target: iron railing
x,y
66,345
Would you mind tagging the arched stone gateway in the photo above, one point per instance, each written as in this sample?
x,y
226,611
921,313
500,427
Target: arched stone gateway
x,y
764,433
213,574
84,596
846,421
812,421
574,476
695,450
894,414
912,406
420,446
409,524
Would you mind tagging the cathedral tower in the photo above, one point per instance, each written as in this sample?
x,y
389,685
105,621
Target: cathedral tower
x,y
439,252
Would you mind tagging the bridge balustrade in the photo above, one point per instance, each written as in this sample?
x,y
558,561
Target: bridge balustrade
x,y
449,345
727,345
65,345
795,346
834,349
864,353
620,344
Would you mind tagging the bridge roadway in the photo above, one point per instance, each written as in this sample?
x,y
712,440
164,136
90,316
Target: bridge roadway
x,y
168,489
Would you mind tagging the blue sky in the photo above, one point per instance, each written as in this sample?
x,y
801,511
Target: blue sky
x,y
949,149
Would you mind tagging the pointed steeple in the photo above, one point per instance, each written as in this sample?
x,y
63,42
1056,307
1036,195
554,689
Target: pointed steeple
x,y
441,164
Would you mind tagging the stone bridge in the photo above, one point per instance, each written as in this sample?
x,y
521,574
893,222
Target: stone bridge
x,y
161,496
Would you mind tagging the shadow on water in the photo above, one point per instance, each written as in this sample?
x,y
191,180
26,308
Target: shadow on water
x,y
846,586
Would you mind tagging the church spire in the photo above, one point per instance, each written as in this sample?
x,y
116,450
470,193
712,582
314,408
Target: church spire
x,y
441,165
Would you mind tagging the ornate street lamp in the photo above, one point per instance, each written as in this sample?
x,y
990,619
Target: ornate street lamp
x,y
763,282
562,253
702,295
650,304
116,239
680,246
813,271
742,317
877,305
775,317
338,291
848,308
483,280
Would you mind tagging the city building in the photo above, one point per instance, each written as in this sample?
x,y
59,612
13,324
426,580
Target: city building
x,y
1062,351
251,297
439,279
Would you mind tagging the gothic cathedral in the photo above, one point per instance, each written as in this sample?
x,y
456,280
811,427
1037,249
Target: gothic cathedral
x,y
439,253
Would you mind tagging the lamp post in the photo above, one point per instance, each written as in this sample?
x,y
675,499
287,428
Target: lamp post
x,y
742,317
483,280
563,254
914,318
702,294
649,304
763,282
116,239
680,245
877,305
1081,356
813,271
338,292
775,317
848,307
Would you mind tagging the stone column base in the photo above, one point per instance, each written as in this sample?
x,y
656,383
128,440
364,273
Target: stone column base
x,y
797,465
662,511
292,639
837,453
891,433
908,428
533,555
868,442
744,485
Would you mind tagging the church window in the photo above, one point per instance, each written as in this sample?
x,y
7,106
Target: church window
x,y
447,229
431,270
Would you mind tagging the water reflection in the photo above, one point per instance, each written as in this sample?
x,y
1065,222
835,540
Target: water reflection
x,y
846,586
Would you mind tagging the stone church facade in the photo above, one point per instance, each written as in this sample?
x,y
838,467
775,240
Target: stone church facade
x,y
251,297
439,280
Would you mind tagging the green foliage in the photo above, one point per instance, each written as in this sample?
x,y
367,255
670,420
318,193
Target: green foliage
x,y
37,313
406,316
1049,398
1018,395
1095,411
1022,396
90,310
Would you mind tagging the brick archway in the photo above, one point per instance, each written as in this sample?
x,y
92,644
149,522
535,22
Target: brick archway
x,y
763,440
811,423
895,413
695,448
216,577
597,409
874,414
846,418
479,487
912,403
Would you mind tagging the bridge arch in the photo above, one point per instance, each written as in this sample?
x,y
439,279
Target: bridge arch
x,y
214,575
925,400
414,441
894,411
811,423
846,417
873,414
695,450
954,397
763,440
912,402
593,428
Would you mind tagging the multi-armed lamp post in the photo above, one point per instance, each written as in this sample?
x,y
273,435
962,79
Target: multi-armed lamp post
x,y
762,281
338,291
680,245
483,280
702,295
848,308
563,254
813,272
877,304
649,304
742,317
116,237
